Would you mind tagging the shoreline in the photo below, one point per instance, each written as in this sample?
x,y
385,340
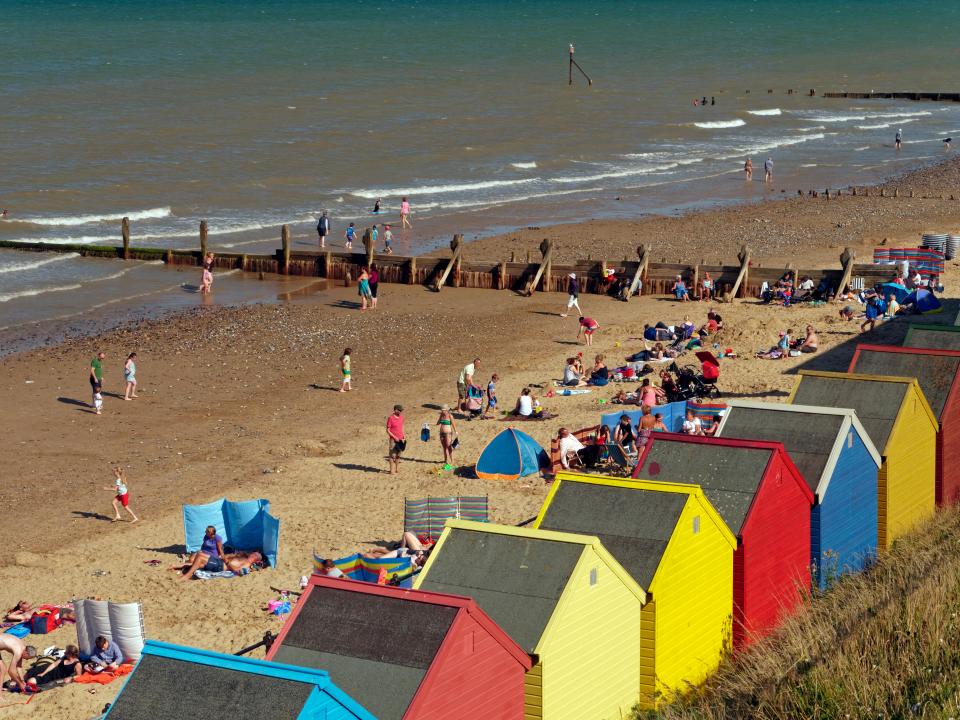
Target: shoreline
x,y
778,229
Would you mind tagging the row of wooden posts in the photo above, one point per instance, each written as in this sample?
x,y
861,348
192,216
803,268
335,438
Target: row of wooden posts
x,y
741,279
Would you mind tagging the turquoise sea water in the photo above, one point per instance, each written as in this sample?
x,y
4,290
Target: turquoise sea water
x,y
254,114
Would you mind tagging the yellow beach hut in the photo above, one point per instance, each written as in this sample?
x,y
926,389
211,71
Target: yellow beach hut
x,y
674,543
564,599
903,429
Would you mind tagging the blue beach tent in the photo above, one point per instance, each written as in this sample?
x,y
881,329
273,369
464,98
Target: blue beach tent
x,y
245,525
899,292
172,681
923,301
511,455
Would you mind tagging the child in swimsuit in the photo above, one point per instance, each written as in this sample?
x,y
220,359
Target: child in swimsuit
x,y
387,239
121,495
491,396
348,236
345,371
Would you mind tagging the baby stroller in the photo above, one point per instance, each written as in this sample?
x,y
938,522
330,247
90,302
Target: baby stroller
x,y
709,373
474,403
692,385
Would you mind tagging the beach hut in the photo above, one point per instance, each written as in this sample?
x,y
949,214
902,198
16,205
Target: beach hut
x,y
938,372
511,455
564,599
765,502
171,681
405,654
673,543
936,337
836,457
903,429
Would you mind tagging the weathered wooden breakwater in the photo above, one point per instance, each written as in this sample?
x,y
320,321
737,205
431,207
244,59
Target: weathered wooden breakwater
x,y
743,277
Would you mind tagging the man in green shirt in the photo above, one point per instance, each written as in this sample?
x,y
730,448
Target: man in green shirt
x,y
96,378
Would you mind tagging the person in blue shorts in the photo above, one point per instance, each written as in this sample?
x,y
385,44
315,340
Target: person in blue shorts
x,y
491,396
349,235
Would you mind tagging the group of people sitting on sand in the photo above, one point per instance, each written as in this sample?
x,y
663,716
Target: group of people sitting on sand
x,y
575,375
211,558
789,346
705,289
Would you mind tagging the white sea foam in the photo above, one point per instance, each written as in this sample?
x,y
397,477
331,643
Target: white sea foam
x,y
153,213
770,111
719,124
82,240
812,129
771,145
873,127
36,291
524,165
439,189
21,266
808,165
614,173
861,149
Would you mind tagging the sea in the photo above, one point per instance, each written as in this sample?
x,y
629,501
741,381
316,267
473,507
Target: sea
x,y
251,115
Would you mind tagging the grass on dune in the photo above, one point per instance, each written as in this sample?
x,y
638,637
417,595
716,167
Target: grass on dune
x,y
881,644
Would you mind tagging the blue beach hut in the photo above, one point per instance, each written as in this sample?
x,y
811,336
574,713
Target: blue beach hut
x,y
839,463
511,455
172,681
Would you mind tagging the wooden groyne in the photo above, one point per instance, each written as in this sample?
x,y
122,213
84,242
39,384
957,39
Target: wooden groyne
x,y
931,96
742,277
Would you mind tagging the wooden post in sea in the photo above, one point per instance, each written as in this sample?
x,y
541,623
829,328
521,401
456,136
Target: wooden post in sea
x,y
125,233
203,241
285,240
327,264
368,244
574,64
412,271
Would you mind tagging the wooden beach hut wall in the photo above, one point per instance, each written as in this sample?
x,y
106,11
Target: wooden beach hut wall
x,y
673,543
171,681
564,599
935,337
765,502
406,655
836,457
938,373
903,429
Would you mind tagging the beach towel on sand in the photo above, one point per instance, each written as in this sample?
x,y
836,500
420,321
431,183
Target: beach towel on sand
x,y
106,676
204,575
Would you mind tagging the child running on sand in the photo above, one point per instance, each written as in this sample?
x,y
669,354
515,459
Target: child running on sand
x,y
345,371
122,495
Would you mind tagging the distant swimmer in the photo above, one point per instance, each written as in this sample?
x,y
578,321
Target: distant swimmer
x,y
898,141
4,213
713,100
768,170
376,207
946,143
748,169
704,101
696,102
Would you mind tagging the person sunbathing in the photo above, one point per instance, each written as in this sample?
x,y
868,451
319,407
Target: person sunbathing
x,y
21,612
242,563
63,670
410,545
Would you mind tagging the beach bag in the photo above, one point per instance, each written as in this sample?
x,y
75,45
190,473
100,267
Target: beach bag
x,y
46,619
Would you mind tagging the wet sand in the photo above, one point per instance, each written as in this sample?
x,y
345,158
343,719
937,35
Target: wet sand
x,y
242,402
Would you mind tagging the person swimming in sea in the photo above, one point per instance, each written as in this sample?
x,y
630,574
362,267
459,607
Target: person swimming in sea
x,y
946,143
376,207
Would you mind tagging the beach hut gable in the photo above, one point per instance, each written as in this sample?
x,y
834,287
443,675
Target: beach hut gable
x,y
833,452
766,503
362,632
563,598
669,536
938,374
903,429
247,688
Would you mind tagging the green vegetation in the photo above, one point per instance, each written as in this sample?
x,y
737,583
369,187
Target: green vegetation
x,y
881,644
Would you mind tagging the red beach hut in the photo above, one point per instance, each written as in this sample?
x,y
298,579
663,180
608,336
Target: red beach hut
x,y
938,374
765,502
406,654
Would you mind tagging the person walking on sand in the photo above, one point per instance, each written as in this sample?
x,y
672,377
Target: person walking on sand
x,y
573,294
96,381
121,495
748,169
448,431
768,170
323,229
588,326
396,439
464,381
491,397
405,214
345,371
898,140
387,240
130,376
363,289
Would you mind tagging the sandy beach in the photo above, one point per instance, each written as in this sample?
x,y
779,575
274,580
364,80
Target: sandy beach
x,y
242,403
